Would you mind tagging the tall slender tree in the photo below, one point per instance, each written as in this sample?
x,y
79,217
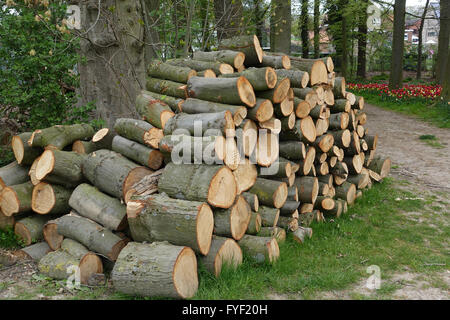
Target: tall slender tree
x,y
398,44
316,28
344,39
362,39
303,26
443,45
419,46
280,26
228,18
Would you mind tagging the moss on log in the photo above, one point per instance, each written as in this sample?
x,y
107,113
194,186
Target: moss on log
x,y
261,249
59,136
139,131
166,71
153,110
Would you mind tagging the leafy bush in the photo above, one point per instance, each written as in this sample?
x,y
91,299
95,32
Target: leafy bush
x,y
37,58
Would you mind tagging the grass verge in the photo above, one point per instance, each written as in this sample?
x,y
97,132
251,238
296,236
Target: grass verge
x,y
435,113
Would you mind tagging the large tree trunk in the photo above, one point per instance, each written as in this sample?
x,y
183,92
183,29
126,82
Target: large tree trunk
x,y
113,47
303,26
280,26
398,44
316,28
443,47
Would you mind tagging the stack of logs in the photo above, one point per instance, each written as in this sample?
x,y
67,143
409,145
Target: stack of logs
x,y
234,148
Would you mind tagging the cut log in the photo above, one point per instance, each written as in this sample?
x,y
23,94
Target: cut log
x,y
234,58
64,164
34,252
214,184
194,106
307,94
198,65
233,222
359,103
23,153
112,173
299,79
276,62
213,124
8,222
245,175
172,102
324,142
350,97
381,166
223,90
322,169
318,112
280,169
139,153
347,192
139,131
197,150
342,138
354,164
339,88
224,252
329,97
29,229
336,211
102,139
308,189
340,105
247,137
269,216
166,71
89,202
301,234
59,264
13,174
279,234
262,111
304,130
278,93
50,199
301,108
324,203
89,233
146,186
273,124
166,87
327,60
289,207
180,222
252,200
270,192
267,149
260,78
153,110
305,219
323,189
16,199
288,223
360,180
58,137
339,121
340,170
317,70
260,249
255,224
307,164
249,45
208,73
158,269
292,150
292,193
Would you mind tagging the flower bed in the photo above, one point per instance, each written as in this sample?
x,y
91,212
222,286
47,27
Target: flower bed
x,y
408,92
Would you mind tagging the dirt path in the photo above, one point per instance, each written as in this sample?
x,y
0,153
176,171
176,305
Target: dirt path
x,y
398,138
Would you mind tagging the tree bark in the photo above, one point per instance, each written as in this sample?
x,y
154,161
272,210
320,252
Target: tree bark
x,y
308,189
50,199
23,153
362,40
269,216
270,192
249,45
64,164
303,26
316,28
299,79
199,65
139,153
260,78
152,110
139,131
233,222
234,58
16,199
13,174
442,74
167,71
260,249
194,106
58,137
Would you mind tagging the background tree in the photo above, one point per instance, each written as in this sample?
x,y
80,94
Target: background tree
x,y
419,46
443,45
396,76
303,27
228,15
280,26
316,28
362,39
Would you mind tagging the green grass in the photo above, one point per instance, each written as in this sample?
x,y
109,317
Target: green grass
x,y
8,239
431,140
436,113
6,155
375,231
